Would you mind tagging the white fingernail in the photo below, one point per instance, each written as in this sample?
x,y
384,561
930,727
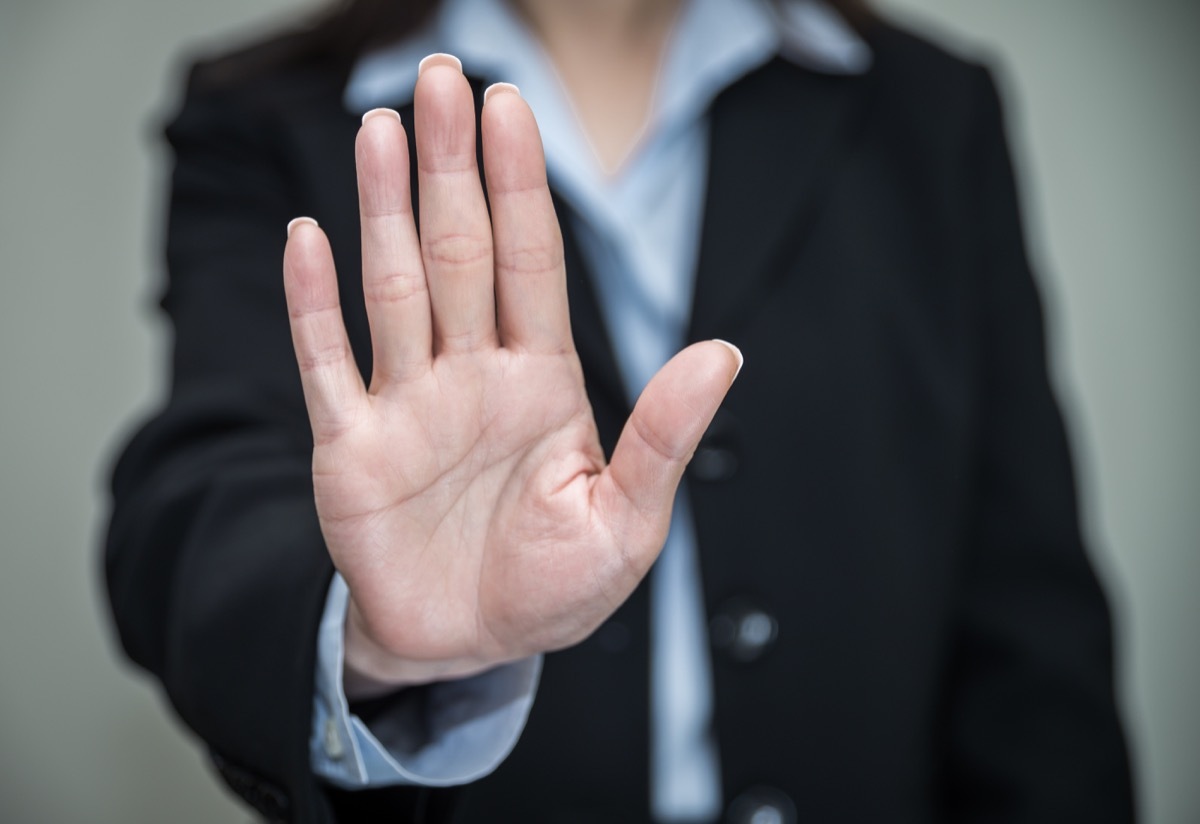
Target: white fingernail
x,y
438,59
382,112
500,87
296,221
737,353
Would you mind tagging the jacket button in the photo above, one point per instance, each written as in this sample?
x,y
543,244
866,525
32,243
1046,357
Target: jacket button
x,y
716,457
762,805
742,631
612,636
711,463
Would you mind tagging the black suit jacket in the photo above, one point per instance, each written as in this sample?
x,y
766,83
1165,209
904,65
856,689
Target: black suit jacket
x,y
888,482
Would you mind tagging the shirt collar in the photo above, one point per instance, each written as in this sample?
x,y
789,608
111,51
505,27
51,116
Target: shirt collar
x,y
715,42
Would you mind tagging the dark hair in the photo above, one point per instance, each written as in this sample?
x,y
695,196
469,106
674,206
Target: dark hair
x,y
343,31
350,27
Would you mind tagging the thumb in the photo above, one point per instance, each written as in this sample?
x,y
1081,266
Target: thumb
x,y
637,489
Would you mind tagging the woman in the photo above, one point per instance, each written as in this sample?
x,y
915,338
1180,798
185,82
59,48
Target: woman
x,y
872,603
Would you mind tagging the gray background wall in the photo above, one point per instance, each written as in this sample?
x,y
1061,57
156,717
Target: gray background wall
x,y
1104,112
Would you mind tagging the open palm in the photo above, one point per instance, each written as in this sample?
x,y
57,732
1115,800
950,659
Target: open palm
x,y
463,495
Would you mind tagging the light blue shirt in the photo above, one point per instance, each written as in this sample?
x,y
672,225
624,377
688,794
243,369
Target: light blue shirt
x,y
639,231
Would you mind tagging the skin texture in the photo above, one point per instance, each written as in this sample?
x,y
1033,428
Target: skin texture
x,y
463,495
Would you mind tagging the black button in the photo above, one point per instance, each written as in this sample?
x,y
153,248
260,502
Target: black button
x,y
712,463
716,457
762,805
742,631
612,636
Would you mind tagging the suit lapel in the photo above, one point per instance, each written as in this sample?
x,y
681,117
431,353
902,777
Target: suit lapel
x,y
589,330
778,139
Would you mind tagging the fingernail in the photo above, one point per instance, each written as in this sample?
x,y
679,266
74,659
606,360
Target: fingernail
x,y
381,112
737,353
439,59
296,221
500,87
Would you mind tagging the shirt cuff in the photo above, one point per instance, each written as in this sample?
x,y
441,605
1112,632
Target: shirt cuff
x,y
437,735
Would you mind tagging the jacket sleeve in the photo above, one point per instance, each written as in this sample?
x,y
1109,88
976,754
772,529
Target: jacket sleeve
x,y
216,569
1030,719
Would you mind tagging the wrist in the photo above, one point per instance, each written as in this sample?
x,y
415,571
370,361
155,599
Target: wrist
x,y
370,670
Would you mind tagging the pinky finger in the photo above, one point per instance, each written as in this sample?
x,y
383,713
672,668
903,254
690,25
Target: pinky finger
x,y
333,387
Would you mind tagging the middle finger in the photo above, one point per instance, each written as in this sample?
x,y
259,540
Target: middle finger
x,y
456,233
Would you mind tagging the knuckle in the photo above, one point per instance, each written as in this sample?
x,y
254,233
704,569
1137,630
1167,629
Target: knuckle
x,y
530,260
657,443
464,340
458,251
445,156
314,359
395,287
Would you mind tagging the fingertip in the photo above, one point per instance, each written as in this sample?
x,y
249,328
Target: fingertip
x,y
306,256
381,112
737,353
444,117
499,88
306,240
505,110
300,221
438,59
512,144
382,132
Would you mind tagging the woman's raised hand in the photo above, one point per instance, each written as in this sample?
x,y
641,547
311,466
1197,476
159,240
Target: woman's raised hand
x,y
463,495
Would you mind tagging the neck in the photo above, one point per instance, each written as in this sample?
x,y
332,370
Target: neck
x,y
607,54
623,24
